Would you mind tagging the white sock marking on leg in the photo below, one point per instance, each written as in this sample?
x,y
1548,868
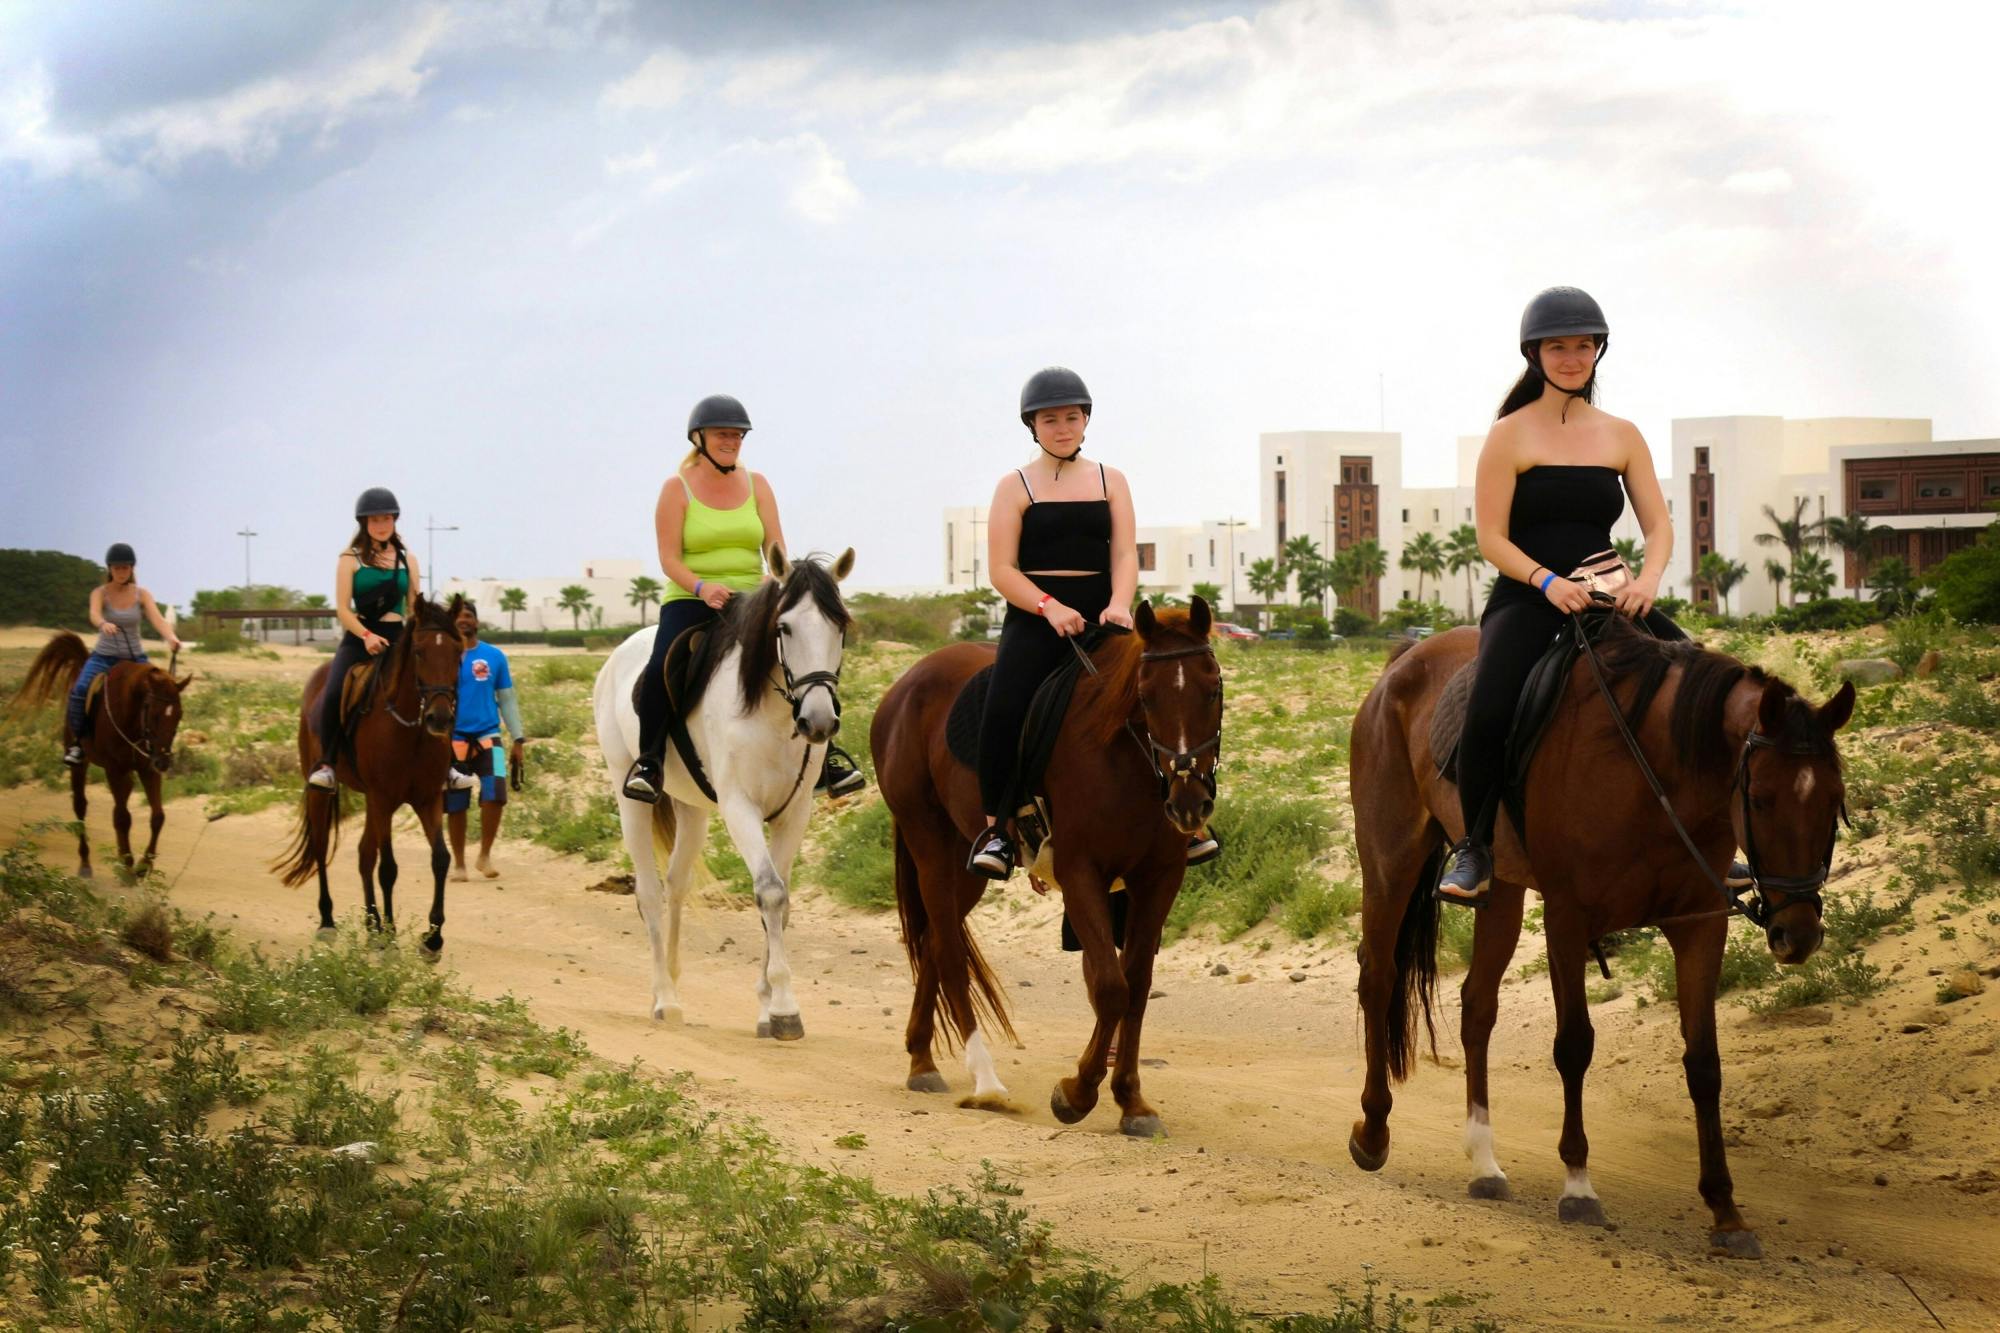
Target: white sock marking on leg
x,y
979,1063
1479,1145
1576,1183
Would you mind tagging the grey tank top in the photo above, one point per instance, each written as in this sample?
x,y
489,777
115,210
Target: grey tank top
x,y
125,643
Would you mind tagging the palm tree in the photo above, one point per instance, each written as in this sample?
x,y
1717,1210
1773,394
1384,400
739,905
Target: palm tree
x,y
1315,576
513,600
645,591
1854,534
1775,571
1794,534
575,599
1721,573
1631,552
1895,584
1295,555
1424,555
1461,553
1812,576
1266,580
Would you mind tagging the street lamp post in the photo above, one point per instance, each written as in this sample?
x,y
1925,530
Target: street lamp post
x,y
246,534
433,527
1233,523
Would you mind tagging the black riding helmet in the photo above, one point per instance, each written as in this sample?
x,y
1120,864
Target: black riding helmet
x,y
377,500
1562,312
1053,387
120,554
716,410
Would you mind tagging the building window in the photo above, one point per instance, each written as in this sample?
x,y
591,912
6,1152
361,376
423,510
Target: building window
x,y
1468,513
1882,490
1434,515
1190,559
1146,556
1938,488
1281,507
1992,487
1701,460
1406,516
1347,475
950,550
1211,553
1701,509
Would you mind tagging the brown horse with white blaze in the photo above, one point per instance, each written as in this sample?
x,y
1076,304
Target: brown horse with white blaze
x,y
131,729
1744,762
1118,815
397,752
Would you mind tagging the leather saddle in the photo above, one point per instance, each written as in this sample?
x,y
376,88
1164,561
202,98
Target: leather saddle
x,y
1039,732
1540,697
689,666
357,690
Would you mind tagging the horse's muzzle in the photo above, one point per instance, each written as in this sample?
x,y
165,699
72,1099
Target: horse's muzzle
x,y
1189,805
1794,935
163,762
815,727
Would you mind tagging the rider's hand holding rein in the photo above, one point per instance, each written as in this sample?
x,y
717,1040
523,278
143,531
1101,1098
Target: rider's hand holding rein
x,y
1116,614
1568,598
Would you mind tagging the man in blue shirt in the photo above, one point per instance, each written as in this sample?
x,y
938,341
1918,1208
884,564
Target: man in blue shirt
x,y
485,696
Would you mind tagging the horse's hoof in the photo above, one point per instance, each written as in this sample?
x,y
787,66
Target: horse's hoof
x,y
1367,1161
325,935
1735,1244
1580,1211
86,873
1060,1108
433,947
667,1014
1490,1187
1142,1127
763,1028
928,1081
787,1027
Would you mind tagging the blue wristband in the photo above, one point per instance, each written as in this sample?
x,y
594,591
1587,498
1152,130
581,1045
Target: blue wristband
x,y
697,587
1547,579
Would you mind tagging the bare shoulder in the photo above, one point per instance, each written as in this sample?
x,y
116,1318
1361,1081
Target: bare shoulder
x,y
1503,442
1114,480
761,485
1011,489
1631,443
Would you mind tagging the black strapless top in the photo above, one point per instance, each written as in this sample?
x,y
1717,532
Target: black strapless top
x,y
1562,514
1065,534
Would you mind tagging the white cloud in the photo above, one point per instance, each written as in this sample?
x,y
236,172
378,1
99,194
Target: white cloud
x,y
665,78
1769,180
28,134
823,192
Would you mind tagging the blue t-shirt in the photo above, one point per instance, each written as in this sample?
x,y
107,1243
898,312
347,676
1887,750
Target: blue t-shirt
x,y
482,672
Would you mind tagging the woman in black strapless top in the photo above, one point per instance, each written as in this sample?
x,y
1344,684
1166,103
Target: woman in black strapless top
x,y
1548,491
1064,552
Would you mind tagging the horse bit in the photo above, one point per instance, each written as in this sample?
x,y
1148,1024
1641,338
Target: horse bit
x,y
424,692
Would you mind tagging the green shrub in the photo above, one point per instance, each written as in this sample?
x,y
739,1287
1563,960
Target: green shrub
x,y
1349,623
561,670
1848,978
1825,613
856,861
1318,907
1269,845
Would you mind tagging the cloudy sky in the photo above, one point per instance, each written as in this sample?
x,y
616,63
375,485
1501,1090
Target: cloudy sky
x,y
254,256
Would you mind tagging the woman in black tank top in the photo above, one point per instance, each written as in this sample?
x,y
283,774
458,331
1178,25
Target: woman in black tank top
x,y
1548,491
1064,553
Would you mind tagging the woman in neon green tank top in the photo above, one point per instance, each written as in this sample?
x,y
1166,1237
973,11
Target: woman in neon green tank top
x,y
714,520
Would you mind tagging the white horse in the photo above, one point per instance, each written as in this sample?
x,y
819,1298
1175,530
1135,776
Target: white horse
x,y
760,730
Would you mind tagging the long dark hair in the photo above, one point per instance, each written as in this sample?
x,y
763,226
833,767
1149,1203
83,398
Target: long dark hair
x,y
1529,387
363,546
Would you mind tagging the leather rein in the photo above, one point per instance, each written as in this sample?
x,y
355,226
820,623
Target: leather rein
x,y
1748,900
1181,764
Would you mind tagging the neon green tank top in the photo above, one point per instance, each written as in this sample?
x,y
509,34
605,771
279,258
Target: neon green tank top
x,y
723,546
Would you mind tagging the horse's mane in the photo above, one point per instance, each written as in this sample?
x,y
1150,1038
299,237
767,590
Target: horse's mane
x,y
1116,685
1695,724
750,622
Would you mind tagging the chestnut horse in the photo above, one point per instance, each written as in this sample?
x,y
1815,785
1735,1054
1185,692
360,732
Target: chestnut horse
x,y
131,730
1743,761
396,753
1117,813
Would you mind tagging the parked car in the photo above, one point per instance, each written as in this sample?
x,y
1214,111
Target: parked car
x,y
1224,630
1284,634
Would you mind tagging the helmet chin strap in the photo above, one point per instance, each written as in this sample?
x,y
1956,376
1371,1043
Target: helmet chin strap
x,y
1569,395
701,447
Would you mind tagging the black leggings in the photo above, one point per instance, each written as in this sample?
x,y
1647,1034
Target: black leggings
x,y
1513,633
1029,651
350,653
676,617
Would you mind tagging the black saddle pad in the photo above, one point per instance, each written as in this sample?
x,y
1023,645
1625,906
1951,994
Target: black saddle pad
x,y
690,663
1540,697
1038,733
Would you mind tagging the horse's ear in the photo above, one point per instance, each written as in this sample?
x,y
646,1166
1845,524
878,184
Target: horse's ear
x,y
1198,617
1771,707
844,566
180,686
1833,714
1144,621
774,556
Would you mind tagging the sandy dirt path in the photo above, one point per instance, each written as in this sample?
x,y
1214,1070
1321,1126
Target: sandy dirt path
x,y
1258,1082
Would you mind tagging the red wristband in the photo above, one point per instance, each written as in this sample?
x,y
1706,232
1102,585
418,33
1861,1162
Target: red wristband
x,y
1041,607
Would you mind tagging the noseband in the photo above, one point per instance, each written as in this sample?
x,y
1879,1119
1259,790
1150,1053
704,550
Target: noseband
x,y
796,688
1180,765
143,747
425,693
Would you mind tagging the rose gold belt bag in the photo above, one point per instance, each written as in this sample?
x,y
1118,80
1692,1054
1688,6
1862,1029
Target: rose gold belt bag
x,y
1606,573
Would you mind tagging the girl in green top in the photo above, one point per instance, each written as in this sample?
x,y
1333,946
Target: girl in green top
x,y
713,522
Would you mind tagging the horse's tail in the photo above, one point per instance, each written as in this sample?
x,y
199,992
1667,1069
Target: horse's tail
x,y
53,672
314,836
1416,969
989,1006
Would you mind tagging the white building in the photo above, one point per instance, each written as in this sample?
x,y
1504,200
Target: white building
x,y
1925,501
609,583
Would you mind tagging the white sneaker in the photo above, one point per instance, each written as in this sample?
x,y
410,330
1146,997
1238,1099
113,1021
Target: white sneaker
x,y
322,777
460,780
73,756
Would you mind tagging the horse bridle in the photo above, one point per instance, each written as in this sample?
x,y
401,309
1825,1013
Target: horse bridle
x,y
143,747
1746,901
1181,764
796,688
425,693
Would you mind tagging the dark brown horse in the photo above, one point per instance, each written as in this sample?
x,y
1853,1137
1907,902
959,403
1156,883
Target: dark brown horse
x,y
1745,763
1118,815
396,753
131,730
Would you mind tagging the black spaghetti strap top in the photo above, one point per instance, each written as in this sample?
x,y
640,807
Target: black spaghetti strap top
x,y
1562,514
1066,534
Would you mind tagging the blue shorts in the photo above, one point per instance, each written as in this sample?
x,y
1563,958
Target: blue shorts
x,y
490,766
